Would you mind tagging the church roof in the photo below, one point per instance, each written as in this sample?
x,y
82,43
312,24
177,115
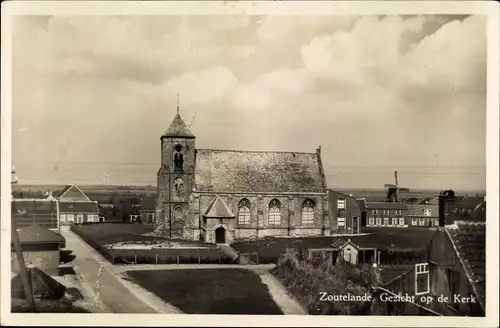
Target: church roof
x,y
251,171
218,209
178,129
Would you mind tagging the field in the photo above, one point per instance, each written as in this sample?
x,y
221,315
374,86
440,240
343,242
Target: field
x,y
131,244
111,193
209,291
389,241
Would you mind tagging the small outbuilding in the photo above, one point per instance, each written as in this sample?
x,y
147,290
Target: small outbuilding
x,y
40,247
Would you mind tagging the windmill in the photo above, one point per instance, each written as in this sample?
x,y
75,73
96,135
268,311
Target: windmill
x,y
394,189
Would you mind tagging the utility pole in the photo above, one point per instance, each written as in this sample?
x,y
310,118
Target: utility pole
x,y
28,290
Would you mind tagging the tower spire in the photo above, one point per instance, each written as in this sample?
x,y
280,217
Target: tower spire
x,y
177,104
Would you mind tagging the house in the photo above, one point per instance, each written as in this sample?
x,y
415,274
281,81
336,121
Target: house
x,y
43,212
76,207
387,214
148,210
452,280
345,213
222,195
464,206
423,215
40,247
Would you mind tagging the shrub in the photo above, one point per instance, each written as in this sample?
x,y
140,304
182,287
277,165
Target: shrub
x,y
306,282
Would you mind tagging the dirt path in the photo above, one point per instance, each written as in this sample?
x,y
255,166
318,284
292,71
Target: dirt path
x,y
280,296
112,292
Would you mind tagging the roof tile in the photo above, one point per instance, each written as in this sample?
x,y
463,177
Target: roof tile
x,y
251,171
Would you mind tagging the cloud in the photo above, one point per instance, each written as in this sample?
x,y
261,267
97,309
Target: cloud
x,y
341,81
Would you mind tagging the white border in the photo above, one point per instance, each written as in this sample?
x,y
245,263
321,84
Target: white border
x,y
488,8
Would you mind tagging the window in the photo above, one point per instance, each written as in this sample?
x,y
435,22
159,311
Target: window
x,y
394,221
178,185
436,222
244,211
275,212
62,217
427,212
341,204
71,217
401,221
422,278
398,212
178,157
178,212
379,221
422,222
414,222
386,212
386,221
90,218
340,223
308,212
370,221
79,218
375,212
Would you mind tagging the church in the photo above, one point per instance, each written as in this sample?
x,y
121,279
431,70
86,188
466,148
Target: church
x,y
220,196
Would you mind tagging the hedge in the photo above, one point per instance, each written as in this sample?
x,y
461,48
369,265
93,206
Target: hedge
x,y
155,255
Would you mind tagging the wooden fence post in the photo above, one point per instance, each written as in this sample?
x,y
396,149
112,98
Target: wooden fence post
x,y
135,258
257,257
199,257
156,256
219,257
177,258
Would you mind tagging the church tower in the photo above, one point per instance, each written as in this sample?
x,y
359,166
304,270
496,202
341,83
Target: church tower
x,y
175,179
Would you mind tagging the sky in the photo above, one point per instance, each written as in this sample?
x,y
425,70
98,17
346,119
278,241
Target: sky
x,y
93,94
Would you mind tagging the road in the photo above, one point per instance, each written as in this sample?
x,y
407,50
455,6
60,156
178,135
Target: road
x,y
111,290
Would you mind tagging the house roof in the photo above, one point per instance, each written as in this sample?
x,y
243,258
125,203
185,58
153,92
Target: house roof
x,y
467,202
469,241
390,272
385,206
178,129
72,192
218,209
43,285
252,171
36,234
78,207
148,204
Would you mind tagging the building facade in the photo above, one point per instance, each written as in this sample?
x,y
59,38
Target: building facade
x,y
74,206
223,195
148,211
387,214
345,213
423,215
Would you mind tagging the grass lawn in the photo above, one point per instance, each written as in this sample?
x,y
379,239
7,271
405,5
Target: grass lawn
x,y
209,291
270,249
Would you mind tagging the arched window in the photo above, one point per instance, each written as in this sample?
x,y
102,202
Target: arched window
x,y
178,212
178,157
308,212
275,212
244,211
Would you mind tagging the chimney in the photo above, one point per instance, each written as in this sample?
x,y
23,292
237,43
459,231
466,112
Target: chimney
x,y
318,151
444,199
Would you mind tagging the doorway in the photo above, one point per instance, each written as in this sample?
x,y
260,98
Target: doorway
x,y
355,224
220,235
